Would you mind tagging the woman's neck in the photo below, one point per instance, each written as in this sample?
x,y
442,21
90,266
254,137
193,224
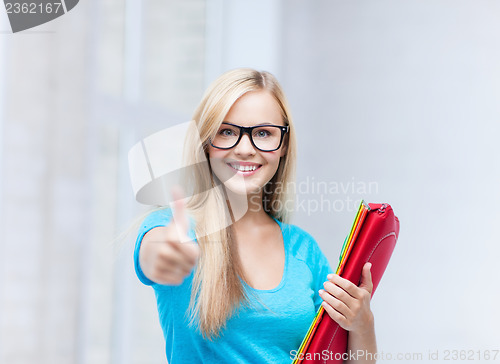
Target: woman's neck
x,y
247,209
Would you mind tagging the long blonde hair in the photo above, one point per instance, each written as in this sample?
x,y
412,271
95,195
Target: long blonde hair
x,y
217,290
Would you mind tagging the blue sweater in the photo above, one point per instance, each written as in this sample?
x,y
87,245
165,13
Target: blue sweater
x,y
269,331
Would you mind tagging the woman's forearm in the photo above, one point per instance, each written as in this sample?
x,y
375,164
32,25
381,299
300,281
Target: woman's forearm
x,y
362,346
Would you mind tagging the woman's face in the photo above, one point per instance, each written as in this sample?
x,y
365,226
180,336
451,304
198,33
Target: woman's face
x,y
244,168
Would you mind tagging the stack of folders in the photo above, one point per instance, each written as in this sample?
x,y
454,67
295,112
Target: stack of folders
x,y
372,238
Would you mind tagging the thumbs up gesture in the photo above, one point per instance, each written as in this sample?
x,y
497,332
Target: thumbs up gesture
x,y
167,255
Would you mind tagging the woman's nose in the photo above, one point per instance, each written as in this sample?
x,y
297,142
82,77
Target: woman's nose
x,y
245,146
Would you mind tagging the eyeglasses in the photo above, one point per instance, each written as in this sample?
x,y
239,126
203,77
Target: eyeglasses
x,y
266,138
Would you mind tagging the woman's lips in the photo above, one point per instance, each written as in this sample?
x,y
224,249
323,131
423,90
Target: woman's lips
x,y
244,168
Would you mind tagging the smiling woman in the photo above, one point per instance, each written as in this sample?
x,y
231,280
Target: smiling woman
x,y
252,150
242,267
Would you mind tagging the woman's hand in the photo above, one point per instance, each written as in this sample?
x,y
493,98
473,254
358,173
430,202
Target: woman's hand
x,y
167,255
347,304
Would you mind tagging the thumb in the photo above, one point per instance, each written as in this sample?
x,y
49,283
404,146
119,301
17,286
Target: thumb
x,y
180,217
366,278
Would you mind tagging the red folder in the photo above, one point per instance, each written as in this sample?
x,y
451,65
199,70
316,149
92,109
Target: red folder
x,y
372,239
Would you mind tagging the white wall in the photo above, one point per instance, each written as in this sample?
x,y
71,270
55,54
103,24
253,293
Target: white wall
x,y
405,94
76,94
243,33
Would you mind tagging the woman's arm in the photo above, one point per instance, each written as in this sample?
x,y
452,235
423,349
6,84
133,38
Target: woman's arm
x,y
349,306
165,255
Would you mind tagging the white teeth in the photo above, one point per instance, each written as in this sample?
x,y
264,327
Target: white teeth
x,y
243,168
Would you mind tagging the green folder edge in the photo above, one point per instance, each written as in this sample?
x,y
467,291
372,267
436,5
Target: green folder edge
x,y
345,247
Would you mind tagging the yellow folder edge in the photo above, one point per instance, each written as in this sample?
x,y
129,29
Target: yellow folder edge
x,y
353,236
348,238
346,249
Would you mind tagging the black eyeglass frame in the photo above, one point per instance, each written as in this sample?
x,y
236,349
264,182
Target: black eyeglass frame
x,y
248,130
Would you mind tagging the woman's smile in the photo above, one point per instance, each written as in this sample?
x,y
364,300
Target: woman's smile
x,y
244,168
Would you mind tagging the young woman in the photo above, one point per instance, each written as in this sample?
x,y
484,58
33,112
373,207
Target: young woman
x,y
247,285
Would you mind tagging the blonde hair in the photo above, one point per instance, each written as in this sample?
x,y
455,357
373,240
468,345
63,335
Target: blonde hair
x,y
217,290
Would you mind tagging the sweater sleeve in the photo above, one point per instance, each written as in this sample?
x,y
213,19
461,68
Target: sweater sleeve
x,y
154,219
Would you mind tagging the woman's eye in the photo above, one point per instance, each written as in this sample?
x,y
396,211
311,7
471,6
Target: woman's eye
x,y
262,133
226,132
